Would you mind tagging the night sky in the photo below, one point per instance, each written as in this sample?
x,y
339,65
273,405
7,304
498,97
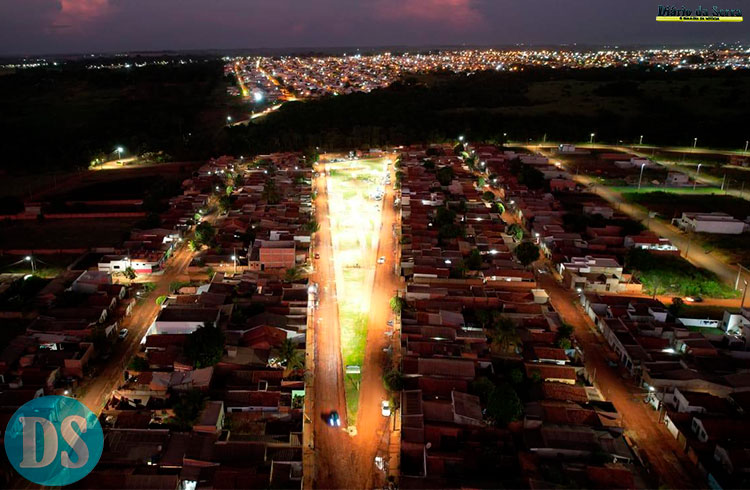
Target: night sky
x,y
80,26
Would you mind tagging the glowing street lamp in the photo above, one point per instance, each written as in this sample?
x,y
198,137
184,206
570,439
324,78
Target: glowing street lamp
x,y
461,138
641,140
641,176
257,97
695,142
591,138
697,173
448,262
119,151
30,258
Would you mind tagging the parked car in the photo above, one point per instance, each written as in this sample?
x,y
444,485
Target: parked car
x,y
123,334
389,323
381,260
693,299
385,408
333,419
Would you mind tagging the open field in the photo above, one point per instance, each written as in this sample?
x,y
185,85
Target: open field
x,y
672,204
355,224
600,165
733,248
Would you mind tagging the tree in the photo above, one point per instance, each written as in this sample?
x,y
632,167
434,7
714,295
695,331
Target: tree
x,y
676,307
483,388
129,273
205,346
187,410
270,193
458,149
516,231
138,363
503,405
527,253
292,274
204,233
289,356
488,196
474,262
312,226
445,175
503,333
225,203
564,335
397,304
444,216
393,380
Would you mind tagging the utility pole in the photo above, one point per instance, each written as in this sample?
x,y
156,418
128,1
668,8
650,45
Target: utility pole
x,y
723,181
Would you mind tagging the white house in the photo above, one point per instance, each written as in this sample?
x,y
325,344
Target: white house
x,y
715,222
184,319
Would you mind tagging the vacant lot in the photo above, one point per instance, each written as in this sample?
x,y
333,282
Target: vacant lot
x,y
56,234
733,248
672,204
601,165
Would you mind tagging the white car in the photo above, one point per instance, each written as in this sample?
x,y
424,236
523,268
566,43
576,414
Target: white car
x,y
385,408
381,260
123,334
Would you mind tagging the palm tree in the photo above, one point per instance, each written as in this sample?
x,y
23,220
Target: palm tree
x,y
504,334
289,356
292,274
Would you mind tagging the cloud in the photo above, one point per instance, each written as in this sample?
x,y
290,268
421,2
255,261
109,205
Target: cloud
x,y
79,12
457,14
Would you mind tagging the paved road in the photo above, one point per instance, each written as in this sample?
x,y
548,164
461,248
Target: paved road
x,y
669,464
333,455
98,390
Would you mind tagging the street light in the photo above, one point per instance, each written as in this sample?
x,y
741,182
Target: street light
x,y
591,139
641,176
234,259
746,143
30,258
697,173
744,292
695,142
640,142
119,151
448,262
461,138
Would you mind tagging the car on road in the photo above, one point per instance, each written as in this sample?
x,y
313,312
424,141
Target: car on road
x,y
333,419
317,256
693,299
385,408
123,334
389,323
381,260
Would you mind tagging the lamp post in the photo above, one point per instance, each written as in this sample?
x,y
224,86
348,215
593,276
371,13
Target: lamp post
x,y
746,143
234,260
119,151
30,258
461,138
744,292
229,120
695,142
640,142
697,173
640,177
591,138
